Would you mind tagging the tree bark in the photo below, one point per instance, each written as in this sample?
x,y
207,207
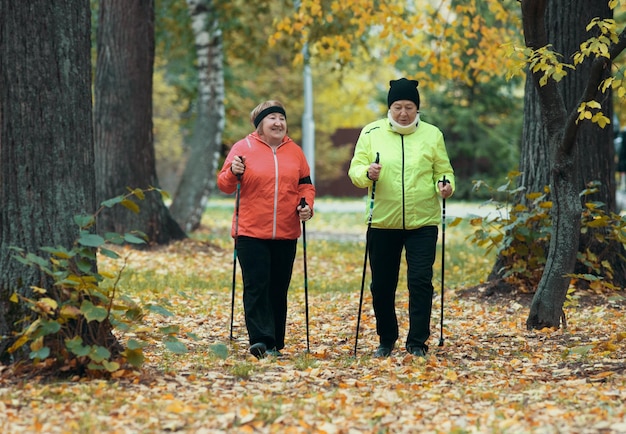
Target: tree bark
x,y
566,139
546,309
565,29
46,142
199,177
125,156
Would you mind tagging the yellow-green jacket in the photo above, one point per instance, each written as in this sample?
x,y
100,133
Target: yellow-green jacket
x,y
406,196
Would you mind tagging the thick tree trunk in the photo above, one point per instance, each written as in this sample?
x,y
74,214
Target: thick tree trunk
x,y
547,304
566,22
568,138
125,155
199,177
46,142
596,152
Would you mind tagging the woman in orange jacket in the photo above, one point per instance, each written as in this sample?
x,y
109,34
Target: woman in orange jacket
x,y
274,177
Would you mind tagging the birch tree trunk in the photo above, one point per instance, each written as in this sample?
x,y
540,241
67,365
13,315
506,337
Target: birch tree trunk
x,y
199,178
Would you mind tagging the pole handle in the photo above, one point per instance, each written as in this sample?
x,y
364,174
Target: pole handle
x,y
243,160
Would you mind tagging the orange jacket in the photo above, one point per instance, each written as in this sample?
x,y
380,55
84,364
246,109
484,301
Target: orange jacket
x,y
271,188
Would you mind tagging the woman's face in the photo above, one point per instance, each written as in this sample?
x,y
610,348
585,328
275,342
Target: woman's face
x,y
403,111
274,127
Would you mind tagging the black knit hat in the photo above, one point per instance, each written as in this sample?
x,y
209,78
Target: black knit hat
x,y
403,89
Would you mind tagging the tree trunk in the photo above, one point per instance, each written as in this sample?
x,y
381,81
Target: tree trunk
x,y
566,28
125,155
199,177
566,139
546,309
46,142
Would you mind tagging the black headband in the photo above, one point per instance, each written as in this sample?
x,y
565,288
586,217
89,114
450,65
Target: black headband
x,y
267,111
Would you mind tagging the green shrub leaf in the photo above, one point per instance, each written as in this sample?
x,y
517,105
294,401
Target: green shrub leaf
x,y
175,346
155,308
40,354
93,313
220,350
90,240
109,253
130,238
134,356
75,345
110,203
99,353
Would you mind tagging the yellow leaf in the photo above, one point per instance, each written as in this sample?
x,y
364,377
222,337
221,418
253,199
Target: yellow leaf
x,y
18,343
451,376
107,274
175,407
37,344
138,192
130,205
68,311
49,302
594,104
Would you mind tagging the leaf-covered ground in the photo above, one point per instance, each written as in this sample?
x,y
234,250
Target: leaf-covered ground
x,y
490,376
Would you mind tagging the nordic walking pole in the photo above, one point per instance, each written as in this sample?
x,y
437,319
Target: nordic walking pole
x,y
443,263
306,279
367,239
232,298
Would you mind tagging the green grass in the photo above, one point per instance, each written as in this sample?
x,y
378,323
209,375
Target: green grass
x,y
336,264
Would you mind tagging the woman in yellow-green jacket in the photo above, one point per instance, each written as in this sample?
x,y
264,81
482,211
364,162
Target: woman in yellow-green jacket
x,y
409,180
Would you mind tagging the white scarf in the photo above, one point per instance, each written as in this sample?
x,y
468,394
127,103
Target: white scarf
x,y
403,129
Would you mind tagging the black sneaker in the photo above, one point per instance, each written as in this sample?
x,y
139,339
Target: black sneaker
x,y
258,350
274,353
382,352
417,351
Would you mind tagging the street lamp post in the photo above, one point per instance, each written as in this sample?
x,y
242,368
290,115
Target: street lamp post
x,y
308,124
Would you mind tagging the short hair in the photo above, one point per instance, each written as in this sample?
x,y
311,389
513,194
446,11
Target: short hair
x,y
259,108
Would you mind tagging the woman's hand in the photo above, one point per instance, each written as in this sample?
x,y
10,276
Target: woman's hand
x,y
238,166
373,172
304,212
445,189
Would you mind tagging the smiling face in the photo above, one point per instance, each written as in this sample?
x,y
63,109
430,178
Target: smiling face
x,y
273,128
403,112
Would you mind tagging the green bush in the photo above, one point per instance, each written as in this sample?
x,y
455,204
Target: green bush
x,y
521,228
72,323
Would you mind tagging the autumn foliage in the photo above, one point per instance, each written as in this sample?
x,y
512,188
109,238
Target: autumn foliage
x,y
491,374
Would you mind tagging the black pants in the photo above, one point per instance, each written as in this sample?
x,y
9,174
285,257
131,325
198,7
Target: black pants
x,y
266,266
385,250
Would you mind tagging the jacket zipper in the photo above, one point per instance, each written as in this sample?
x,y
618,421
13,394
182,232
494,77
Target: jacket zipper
x,y
275,193
403,197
